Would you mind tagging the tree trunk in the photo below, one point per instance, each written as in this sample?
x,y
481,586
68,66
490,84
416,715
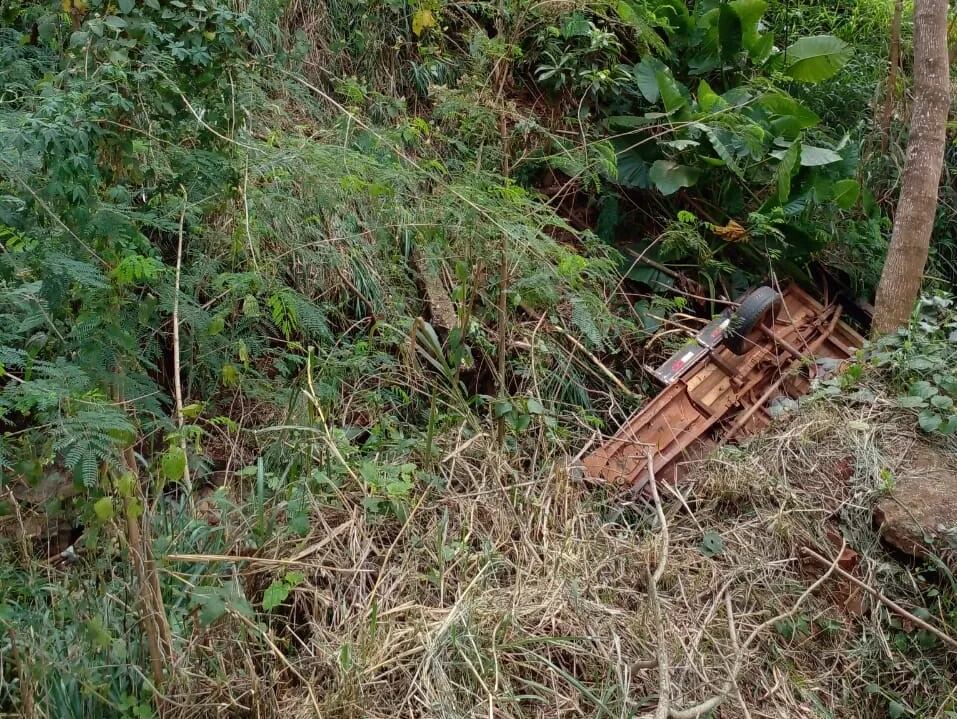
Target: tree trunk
x,y
910,240
895,60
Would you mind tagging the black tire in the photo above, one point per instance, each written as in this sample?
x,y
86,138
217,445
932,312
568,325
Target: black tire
x,y
751,311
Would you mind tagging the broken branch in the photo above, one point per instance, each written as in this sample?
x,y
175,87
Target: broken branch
x,y
664,676
889,603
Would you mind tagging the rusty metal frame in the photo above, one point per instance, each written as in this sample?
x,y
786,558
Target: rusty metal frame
x,y
722,396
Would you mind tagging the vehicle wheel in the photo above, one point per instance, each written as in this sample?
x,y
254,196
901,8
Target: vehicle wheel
x,y
752,310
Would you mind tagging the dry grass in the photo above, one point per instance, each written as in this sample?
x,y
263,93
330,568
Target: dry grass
x,y
518,591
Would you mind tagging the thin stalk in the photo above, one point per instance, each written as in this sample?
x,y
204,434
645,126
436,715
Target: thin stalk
x,y
895,59
502,331
177,379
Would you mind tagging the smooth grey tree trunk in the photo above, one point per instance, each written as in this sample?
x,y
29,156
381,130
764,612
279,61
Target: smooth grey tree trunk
x,y
917,205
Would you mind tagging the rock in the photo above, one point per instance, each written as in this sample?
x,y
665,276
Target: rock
x,y
919,516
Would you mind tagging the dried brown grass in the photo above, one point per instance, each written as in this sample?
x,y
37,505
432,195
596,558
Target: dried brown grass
x,y
520,591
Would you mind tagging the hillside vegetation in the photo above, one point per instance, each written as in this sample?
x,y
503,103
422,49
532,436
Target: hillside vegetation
x,y
308,312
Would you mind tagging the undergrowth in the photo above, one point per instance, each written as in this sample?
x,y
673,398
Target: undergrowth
x,y
308,311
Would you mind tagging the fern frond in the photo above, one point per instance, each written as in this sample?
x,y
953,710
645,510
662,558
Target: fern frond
x,y
584,321
90,438
78,271
310,317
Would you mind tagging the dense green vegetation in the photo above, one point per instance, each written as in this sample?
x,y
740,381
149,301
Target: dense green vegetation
x,y
219,222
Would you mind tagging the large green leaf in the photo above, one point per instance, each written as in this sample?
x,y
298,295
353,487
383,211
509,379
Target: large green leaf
x,y
812,156
749,12
729,32
787,168
672,96
721,140
669,176
703,53
822,187
632,167
846,193
674,14
649,276
760,50
789,115
929,421
645,75
628,122
816,58
708,99
738,96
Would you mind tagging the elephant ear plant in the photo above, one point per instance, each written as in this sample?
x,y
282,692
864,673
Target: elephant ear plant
x,y
716,114
707,115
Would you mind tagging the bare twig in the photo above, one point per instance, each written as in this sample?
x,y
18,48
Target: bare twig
x,y
22,534
313,548
249,234
459,449
733,634
889,603
598,363
264,561
579,346
891,91
330,440
502,331
154,621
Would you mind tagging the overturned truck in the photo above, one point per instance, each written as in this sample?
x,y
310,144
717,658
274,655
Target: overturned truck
x,y
720,386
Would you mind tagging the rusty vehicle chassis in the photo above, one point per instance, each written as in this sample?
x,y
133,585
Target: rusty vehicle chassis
x,y
718,396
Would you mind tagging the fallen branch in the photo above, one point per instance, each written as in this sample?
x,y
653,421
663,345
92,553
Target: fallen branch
x,y
22,534
153,620
330,440
889,603
664,672
502,331
598,363
733,634
441,309
313,548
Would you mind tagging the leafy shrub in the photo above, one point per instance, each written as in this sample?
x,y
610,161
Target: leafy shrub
x,y
707,114
581,59
920,359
